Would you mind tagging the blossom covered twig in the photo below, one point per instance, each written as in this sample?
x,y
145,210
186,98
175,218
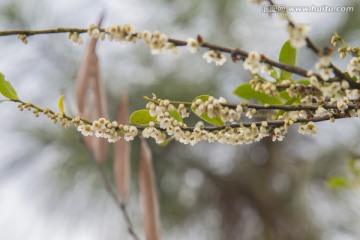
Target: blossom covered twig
x,y
158,42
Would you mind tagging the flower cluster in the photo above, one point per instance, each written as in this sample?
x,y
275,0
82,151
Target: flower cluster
x,y
266,87
298,34
121,33
217,57
353,67
308,128
103,128
157,42
23,38
158,107
192,45
95,32
252,62
216,107
75,38
184,112
323,65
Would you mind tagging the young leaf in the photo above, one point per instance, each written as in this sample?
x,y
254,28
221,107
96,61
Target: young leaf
x,y
274,73
176,115
167,141
6,89
148,194
215,121
141,117
337,182
288,102
288,56
122,166
304,81
61,104
245,91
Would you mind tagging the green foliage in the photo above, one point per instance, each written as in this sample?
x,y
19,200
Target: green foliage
x,y
141,117
304,81
288,56
337,182
245,91
167,141
6,89
176,115
274,74
215,121
291,101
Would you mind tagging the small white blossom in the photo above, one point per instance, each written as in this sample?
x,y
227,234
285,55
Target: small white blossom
x,y
192,45
353,67
308,128
323,65
85,130
321,112
353,94
252,62
298,34
341,105
217,57
250,113
278,134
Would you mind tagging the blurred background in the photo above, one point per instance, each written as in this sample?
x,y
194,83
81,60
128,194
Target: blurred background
x,y
50,189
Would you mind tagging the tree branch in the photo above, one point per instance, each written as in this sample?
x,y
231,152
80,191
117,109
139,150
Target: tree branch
x,y
233,51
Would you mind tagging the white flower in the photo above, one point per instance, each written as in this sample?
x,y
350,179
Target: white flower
x,y
211,56
308,128
85,130
323,65
278,134
321,112
298,33
353,67
252,62
341,105
192,45
250,113
121,33
158,42
353,94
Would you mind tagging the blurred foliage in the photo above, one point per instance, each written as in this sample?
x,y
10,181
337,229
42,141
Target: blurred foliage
x,y
258,191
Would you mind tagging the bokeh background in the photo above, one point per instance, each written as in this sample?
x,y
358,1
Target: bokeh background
x,y
50,189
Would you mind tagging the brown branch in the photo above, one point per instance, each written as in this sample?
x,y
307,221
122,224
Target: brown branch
x,y
106,181
311,45
48,31
119,204
233,51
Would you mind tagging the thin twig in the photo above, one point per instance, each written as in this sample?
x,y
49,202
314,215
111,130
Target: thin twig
x,y
108,187
233,51
120,205
274,123
311,45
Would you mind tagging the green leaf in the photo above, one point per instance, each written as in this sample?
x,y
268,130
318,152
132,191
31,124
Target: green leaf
x,y
214,121
141,117
6,89
274,74
291,101
304,81
167,141
337,182
288,56
245,91
176,115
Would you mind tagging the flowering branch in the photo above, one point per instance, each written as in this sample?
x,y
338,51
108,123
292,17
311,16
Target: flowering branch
x,y
311,45
127,32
